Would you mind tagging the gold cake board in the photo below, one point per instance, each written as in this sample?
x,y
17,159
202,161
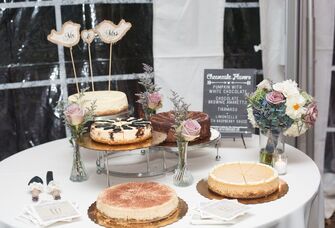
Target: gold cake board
x,y
202,188
102,220
88,143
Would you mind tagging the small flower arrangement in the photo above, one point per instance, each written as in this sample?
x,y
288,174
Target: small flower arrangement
x,y
150,99
76,117
281,107
186,129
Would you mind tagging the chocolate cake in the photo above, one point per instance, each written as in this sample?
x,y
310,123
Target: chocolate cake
x,y
162,122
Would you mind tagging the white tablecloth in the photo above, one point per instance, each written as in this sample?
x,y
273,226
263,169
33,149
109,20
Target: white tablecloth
x,y
300,207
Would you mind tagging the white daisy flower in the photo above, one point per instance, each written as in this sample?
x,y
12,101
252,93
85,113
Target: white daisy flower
x,y
265,84
251,117
288,88
296,129
295,106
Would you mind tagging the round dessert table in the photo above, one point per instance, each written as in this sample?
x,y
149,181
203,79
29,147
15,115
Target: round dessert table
x,y
300,207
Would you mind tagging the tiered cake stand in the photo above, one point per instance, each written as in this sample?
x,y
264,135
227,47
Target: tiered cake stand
x,y
154,145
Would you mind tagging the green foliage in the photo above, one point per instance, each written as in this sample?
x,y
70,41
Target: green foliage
x,y
180,109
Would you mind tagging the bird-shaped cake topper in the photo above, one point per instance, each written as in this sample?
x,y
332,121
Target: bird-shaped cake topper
x,y
111,33
68,36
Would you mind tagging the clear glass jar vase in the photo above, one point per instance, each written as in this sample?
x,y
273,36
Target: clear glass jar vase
x,y
78,172
271,143
182,176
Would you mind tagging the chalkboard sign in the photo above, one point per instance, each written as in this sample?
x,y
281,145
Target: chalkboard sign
x,y
224,99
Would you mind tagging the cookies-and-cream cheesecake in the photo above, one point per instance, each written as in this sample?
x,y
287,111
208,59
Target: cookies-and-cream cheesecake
x,y
121,131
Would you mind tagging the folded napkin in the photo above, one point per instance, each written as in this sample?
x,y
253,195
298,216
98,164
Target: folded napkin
x,y
47,213
218,212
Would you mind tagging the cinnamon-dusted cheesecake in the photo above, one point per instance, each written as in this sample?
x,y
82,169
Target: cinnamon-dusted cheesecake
x,y
107,102
162,122
245,180
121,131
141,201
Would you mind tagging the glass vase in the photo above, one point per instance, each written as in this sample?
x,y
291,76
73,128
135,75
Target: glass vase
x,y
182,176
78,172
271,143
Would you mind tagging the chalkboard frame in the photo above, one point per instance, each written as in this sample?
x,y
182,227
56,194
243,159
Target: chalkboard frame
x,y
229,76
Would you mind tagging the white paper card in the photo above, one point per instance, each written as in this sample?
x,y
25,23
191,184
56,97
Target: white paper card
x,y
224,209
51,212
197,219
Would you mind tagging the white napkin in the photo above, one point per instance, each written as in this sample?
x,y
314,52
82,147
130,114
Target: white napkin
x,y
218,212
47,213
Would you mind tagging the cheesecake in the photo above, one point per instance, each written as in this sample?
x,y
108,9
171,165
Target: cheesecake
x,y
244,180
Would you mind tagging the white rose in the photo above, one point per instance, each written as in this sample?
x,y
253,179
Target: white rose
x,y
295,106
296,129
288,88
265,84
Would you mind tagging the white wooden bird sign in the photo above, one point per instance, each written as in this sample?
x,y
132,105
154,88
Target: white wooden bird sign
x,y
111,33
68,36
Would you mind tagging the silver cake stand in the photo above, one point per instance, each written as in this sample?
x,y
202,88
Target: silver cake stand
x,y
156,157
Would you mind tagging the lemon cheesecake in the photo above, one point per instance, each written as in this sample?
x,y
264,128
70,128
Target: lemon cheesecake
x,y
245,180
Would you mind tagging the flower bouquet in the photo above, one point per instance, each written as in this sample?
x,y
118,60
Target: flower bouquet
x,y
186,130
150,99
76,118
280,109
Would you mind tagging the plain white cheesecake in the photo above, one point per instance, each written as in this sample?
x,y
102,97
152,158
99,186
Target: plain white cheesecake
x,y
107,102
141,201
245,180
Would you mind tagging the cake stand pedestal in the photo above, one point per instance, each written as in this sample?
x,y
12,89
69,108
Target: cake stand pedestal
x,y
149,147
105,151
213,140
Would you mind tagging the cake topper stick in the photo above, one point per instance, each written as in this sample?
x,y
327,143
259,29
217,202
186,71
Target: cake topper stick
x,y
110,33
74,70
88,36
68,37
110,66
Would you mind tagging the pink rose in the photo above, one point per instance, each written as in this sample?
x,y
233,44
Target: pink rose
x,y
74,114
154,100
311,114
190,129
275,97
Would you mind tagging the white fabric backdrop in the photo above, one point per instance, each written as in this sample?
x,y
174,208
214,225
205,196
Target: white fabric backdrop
x,y
272,17
187,38
324,36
